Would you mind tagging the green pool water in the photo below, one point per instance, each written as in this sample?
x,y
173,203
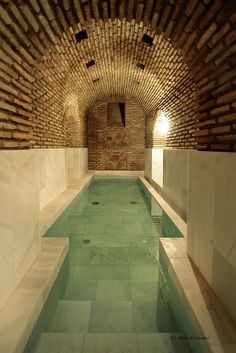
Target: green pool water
x,y
111,295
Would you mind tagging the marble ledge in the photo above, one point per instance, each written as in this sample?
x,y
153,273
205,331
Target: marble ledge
x,y
20,314
202,304
175,218
116,173
50,213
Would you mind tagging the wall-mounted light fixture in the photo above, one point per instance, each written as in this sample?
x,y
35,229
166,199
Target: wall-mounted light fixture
x,y
162,124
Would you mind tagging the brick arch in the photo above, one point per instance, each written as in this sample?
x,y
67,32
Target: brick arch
x,y
193,55
117,71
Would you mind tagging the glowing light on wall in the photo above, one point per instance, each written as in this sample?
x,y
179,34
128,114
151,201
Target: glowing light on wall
x,y
162,124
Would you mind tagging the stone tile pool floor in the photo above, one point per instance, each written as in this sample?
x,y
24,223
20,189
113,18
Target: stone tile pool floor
x,y
113,299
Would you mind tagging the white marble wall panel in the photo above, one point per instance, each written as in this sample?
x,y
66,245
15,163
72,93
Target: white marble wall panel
x,y
167,171
19,217
29,180
148,163
225,199
52,174
175,170
77,163
212,221
157,166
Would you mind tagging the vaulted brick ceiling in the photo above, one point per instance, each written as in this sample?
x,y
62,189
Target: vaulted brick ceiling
x,y
46,89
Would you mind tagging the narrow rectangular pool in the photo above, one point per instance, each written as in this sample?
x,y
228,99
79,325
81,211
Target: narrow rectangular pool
x,y
111,295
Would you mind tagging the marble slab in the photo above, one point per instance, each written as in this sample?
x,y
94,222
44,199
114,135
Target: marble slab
x,y
200,186
148,163
175,218
18,317
175,175
114,173
54,209
167,171
203,306
157,166
212,222
77,163
19,225
52,173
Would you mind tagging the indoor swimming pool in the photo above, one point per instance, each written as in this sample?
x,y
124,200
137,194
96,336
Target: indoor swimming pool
x,y
111,295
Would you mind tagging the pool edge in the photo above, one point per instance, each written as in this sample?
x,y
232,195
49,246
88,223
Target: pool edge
x,y
76,188
175,253
21,312
205,311
50,213
175,218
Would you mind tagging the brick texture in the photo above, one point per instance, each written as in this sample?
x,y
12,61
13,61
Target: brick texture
x,y
188,71
116,147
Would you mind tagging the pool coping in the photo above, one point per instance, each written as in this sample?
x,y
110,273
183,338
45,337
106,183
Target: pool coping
x,y
206,312
174,250
50,213
175,218
20,314
117,173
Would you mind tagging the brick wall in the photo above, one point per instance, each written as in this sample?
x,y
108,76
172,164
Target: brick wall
x,y
188,70
180,108
116,147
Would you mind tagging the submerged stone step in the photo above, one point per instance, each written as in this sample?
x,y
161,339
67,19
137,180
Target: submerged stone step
x,y
71,316
108,316
112,317
162,343
111,343
60,343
